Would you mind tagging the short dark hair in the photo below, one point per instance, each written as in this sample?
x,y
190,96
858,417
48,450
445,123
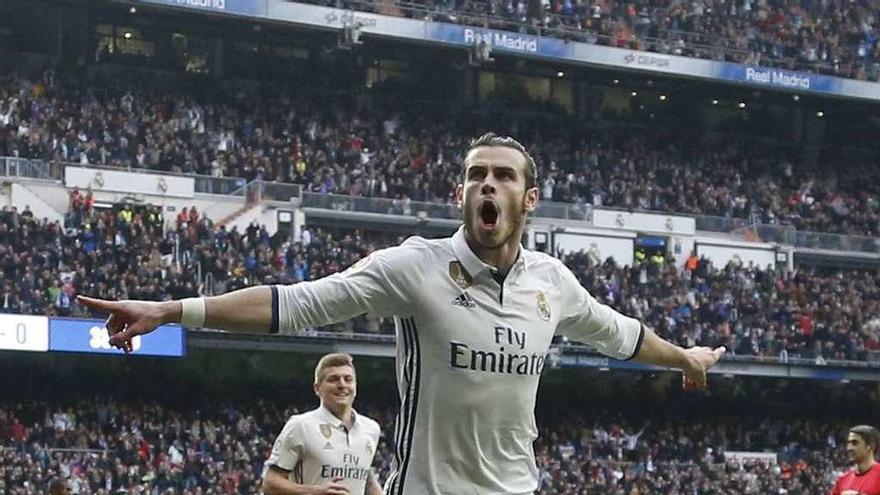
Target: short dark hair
x,y
492,139
869,434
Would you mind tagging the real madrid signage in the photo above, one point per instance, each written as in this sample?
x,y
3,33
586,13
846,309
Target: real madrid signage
x,y
129,182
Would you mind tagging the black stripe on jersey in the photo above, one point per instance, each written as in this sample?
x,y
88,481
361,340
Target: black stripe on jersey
x,y
403,415
275,467
274,327
639,343
414,392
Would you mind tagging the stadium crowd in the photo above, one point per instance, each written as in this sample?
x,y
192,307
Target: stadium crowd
x,y
123,253
252,135
105,446
837,38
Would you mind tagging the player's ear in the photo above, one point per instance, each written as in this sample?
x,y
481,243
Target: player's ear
x,y
315,387
530,201
459,195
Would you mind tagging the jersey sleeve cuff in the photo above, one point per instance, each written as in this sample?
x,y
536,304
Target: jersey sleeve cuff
x,y
276,467
638,342
274,325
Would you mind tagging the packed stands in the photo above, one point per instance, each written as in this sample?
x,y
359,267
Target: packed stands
x,y
123,253
830,38
252,134
138,445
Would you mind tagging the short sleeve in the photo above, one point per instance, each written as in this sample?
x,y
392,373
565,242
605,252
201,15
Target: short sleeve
x,y
586,320
288,447
381,284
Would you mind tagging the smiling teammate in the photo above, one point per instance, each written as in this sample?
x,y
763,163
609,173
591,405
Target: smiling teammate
x,y
475,314
329,450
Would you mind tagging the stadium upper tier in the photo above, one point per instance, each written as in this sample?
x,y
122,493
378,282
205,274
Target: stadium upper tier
x,y
122,253
253,133
836,38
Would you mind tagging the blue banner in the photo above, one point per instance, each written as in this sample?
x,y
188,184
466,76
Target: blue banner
x,y
71,335
500,40
288,11
238,7
780,78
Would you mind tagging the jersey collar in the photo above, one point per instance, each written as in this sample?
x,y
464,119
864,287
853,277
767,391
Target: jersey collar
x,y
873,465
337,423
471,262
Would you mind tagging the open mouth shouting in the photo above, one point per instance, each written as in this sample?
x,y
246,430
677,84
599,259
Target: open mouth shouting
x,y
488,214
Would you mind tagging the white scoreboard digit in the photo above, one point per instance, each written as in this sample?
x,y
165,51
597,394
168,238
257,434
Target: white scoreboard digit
x,y
24,333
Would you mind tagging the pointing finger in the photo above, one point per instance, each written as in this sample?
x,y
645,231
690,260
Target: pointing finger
x,y
719,352
101,304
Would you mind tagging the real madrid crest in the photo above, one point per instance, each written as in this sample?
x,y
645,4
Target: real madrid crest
x,y
162,185
326,430
543,306
459,275
369,448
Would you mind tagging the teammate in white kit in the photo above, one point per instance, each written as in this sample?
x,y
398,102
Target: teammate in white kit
x,y
475,314
329,450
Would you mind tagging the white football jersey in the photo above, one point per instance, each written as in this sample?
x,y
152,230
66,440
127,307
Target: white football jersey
x,y
470,352
316,447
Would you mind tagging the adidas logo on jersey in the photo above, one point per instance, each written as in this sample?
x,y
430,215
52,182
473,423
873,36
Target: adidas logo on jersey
x,y
464,300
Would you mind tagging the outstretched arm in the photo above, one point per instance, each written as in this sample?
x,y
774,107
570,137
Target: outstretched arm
x,y
247,310
586,320
378,284
695,362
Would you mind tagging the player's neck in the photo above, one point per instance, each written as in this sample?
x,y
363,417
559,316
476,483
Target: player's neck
x,y
502,257
342,413
865,465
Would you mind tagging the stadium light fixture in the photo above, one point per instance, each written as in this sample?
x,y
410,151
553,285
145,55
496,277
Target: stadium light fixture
x,y
634,93
133,10
127,35
560,74
714,102
820,114
616,81
795,97
662,97
741,104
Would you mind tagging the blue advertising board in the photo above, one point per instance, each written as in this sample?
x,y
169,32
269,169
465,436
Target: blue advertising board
x,y
779,78
238,7
72,335
500,40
